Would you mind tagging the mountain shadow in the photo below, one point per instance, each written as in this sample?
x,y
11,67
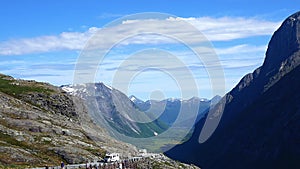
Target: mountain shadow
x,y
261,118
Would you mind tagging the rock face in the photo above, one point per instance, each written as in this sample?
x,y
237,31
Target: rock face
x,y
42,125
114,111
261,119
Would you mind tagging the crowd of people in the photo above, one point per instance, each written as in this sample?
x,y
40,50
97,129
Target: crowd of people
x,y
125,164
122,164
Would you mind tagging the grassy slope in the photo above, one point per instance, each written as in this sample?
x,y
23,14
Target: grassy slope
x,y
38,149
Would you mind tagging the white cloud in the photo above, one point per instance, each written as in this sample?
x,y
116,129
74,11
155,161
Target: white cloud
x,y
63,41
229,28
150,31
234,57
240,49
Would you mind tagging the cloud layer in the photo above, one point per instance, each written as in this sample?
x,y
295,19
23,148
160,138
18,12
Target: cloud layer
x,y
237,54
215,29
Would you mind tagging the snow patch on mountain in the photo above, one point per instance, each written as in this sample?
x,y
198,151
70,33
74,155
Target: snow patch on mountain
x,y
68,89
108,86
133,99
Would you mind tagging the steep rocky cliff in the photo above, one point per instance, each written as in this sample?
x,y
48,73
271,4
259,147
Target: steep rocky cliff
x,y
113,110
261,119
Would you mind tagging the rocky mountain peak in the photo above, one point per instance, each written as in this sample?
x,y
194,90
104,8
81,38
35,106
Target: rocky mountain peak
x,y
282,56
261,114
285,41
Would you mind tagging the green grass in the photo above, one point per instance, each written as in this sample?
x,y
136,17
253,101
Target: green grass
x,y
160,145
10,166
97,152
40,149
10,140
10,87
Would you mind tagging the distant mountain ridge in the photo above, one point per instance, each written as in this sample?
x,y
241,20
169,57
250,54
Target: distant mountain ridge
x,y
115,111
261,119
170,107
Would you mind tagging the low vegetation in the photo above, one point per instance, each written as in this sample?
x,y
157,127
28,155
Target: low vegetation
x,y
13,87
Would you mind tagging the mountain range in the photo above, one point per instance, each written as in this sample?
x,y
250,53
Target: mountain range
x,y
113,110
167,110
127,118
41,124
260,125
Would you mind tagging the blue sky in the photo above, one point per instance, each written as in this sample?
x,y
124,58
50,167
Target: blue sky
x,y
43,40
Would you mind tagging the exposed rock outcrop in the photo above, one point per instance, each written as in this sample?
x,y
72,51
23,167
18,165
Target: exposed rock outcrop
x,y
261,114
42,125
